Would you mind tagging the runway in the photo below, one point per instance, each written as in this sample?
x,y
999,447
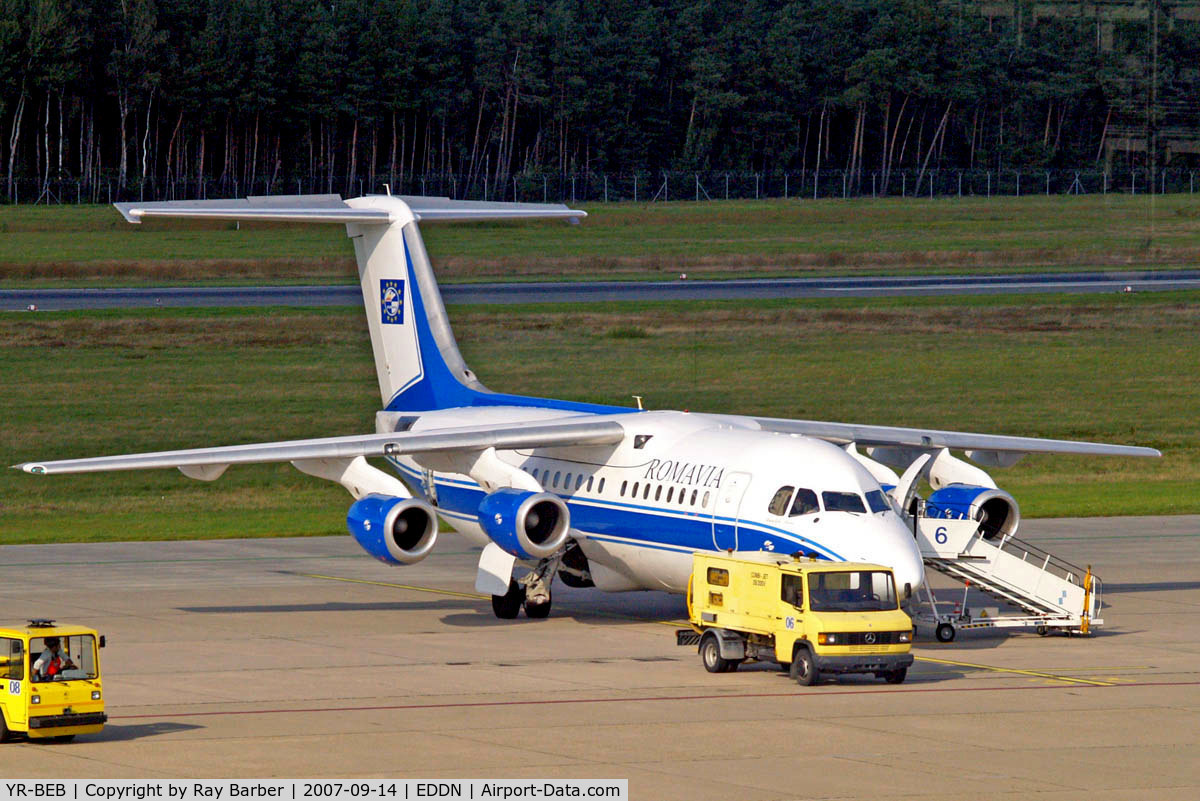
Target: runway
x,y
304,658
610,291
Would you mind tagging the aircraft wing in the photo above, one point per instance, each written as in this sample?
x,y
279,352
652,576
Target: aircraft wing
x,y
584,430
929,438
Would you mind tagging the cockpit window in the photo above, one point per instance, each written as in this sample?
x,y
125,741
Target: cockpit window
x,y
877,501
843,502
805,503
779,503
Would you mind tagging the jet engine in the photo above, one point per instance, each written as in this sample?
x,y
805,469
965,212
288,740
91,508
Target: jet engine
x,y
528,525
995,510
396,531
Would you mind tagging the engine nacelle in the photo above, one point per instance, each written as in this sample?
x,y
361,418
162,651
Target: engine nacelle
x,y
528,525
397,531
995,510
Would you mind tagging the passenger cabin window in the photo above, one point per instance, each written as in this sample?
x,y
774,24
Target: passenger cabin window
x,y
601,487
694,494
624,484
779,504
567,482
658,492
704,503
843,502
792,591
557,476
718,577
646,492
670,492
877,501
589,488
805,503
636,484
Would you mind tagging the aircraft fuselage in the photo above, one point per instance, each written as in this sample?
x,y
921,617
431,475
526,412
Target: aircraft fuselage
x,y
680,483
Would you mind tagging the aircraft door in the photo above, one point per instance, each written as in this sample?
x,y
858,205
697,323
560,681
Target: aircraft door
x,y
726,508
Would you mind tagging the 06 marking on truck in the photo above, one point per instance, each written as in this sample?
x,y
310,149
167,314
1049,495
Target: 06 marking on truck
x,y
789,622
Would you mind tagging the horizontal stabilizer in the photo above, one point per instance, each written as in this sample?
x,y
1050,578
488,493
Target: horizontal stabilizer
x,y
587,430
332,209
443,208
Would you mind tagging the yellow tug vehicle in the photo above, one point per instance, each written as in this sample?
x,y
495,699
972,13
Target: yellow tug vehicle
x,y
51,682
813,618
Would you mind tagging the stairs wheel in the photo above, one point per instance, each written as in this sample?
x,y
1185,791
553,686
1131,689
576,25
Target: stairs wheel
x,y
945,632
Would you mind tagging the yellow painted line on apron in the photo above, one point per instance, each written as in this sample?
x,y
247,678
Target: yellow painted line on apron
x,y
1034,673
477,597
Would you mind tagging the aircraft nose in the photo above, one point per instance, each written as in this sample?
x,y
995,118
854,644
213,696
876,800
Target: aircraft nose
x,y
893,545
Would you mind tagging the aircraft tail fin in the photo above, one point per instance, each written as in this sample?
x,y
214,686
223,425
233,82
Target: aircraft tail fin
x,y
416,356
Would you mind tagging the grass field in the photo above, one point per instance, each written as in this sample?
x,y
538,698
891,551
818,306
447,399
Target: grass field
x,y
92,245
1115,368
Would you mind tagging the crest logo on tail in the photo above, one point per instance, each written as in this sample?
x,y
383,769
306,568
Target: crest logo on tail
x,y
392,300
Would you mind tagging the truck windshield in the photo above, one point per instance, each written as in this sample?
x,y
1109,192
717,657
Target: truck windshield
x,y
852,591
63,658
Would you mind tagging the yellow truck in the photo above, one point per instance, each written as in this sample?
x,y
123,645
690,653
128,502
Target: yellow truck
x,y
51,681
812,617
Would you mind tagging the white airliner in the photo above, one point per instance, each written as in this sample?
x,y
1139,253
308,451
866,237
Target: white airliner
x,y
603,496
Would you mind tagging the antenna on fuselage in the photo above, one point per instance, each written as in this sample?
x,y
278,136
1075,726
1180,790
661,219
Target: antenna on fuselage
x,y
638,398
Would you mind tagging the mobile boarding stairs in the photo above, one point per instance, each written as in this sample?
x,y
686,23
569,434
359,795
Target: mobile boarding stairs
x,y
1052,595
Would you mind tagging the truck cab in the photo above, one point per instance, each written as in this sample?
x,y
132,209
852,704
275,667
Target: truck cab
x,y
812,617
51,681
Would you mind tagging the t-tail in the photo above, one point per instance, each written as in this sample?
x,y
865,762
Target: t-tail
x,y
417,359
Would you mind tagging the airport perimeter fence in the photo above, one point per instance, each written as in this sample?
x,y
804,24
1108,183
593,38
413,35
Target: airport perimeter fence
x,y
642,186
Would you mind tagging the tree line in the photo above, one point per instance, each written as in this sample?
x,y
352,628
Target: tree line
x,y
263,91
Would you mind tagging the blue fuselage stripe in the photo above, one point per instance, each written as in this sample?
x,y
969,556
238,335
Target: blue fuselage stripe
x,y
633,524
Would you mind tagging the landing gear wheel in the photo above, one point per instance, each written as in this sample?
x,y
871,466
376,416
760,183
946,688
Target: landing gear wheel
x,y
538,611
710,655
507,606
945,632
804,668
895,676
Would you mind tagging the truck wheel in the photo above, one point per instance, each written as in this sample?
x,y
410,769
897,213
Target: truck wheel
x,y
945,632
5,734
64,738
507,606
710,655
896,676
804,668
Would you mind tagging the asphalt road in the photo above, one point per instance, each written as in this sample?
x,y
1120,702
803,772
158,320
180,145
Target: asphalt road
x,y
610,291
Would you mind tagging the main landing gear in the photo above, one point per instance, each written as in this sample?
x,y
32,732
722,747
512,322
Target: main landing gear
x,y
531,591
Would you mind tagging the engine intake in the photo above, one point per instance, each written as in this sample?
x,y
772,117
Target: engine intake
x,y
995,510
529,525
397,531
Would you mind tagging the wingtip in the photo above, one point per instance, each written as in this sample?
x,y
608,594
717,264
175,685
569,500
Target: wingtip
x,y
130,214
30,467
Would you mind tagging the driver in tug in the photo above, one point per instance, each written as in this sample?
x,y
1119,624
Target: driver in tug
x,y
52,661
